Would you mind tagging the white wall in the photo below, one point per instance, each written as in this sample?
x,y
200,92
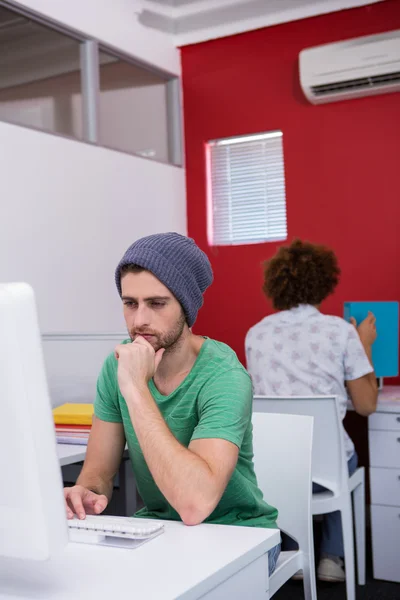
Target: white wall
x,y
73,364
114,23
68,211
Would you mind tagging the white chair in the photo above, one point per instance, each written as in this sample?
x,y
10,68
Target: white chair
x,y
330,470
284,476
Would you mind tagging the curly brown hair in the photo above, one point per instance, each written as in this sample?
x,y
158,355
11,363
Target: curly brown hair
x,y
301,273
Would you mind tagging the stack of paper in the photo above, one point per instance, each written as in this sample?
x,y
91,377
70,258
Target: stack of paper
x,y
73,423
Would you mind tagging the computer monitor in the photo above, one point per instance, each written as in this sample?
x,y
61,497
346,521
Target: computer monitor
x,y
33,522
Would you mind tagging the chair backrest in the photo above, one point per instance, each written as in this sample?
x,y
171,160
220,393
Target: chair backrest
x,y
282,459
329,466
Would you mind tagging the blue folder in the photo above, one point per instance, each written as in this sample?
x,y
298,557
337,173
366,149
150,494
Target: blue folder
x,y
385,351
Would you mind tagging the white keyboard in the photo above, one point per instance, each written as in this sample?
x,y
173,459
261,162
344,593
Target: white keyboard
x,y
119,531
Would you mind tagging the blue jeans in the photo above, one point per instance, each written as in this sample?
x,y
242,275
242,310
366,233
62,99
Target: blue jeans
x,y
273,555
332,537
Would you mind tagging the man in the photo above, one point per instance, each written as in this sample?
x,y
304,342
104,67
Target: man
x,y
180,401
301,352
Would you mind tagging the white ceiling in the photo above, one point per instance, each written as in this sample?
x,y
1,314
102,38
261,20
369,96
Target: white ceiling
x,y
192,21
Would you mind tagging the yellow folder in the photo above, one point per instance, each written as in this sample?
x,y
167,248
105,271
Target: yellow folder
x,y
73,414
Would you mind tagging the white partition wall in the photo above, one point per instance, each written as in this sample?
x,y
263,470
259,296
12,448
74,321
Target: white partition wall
x,y
68,210
73,363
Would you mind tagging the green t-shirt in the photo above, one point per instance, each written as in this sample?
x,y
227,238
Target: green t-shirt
x,y
213,401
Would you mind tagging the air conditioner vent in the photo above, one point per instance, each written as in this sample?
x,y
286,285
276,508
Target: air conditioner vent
x,y
353,84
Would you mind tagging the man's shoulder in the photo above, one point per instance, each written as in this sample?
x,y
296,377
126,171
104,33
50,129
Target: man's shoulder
x,y
221,358
220,352
222,374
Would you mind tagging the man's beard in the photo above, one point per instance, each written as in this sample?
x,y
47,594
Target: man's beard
x,y
170,340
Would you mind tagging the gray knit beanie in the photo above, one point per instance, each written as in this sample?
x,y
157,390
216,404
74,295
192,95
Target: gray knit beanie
x,y
177,262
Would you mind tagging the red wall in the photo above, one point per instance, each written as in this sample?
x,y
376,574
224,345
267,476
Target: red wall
x,y
342,163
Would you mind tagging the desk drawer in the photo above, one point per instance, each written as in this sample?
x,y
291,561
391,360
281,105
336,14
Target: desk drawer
x,y
385,486
385,522
384,449
385,421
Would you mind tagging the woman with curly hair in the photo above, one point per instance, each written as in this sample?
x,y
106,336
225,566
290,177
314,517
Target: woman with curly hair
x,y
300,351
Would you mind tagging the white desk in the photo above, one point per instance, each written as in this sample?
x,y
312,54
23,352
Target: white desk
x,y
69,454
384,463
388,400
384,471
212,562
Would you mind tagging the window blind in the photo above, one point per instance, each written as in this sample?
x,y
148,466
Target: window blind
x,y
246,189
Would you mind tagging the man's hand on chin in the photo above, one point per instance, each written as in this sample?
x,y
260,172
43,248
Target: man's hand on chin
x,y
137,364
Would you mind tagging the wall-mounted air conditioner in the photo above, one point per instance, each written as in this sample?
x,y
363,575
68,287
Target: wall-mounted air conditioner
x,y
353,68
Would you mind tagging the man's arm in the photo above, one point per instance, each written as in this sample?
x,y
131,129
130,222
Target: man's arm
x,y
192,479
103,457
364,394
364,390
104,452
